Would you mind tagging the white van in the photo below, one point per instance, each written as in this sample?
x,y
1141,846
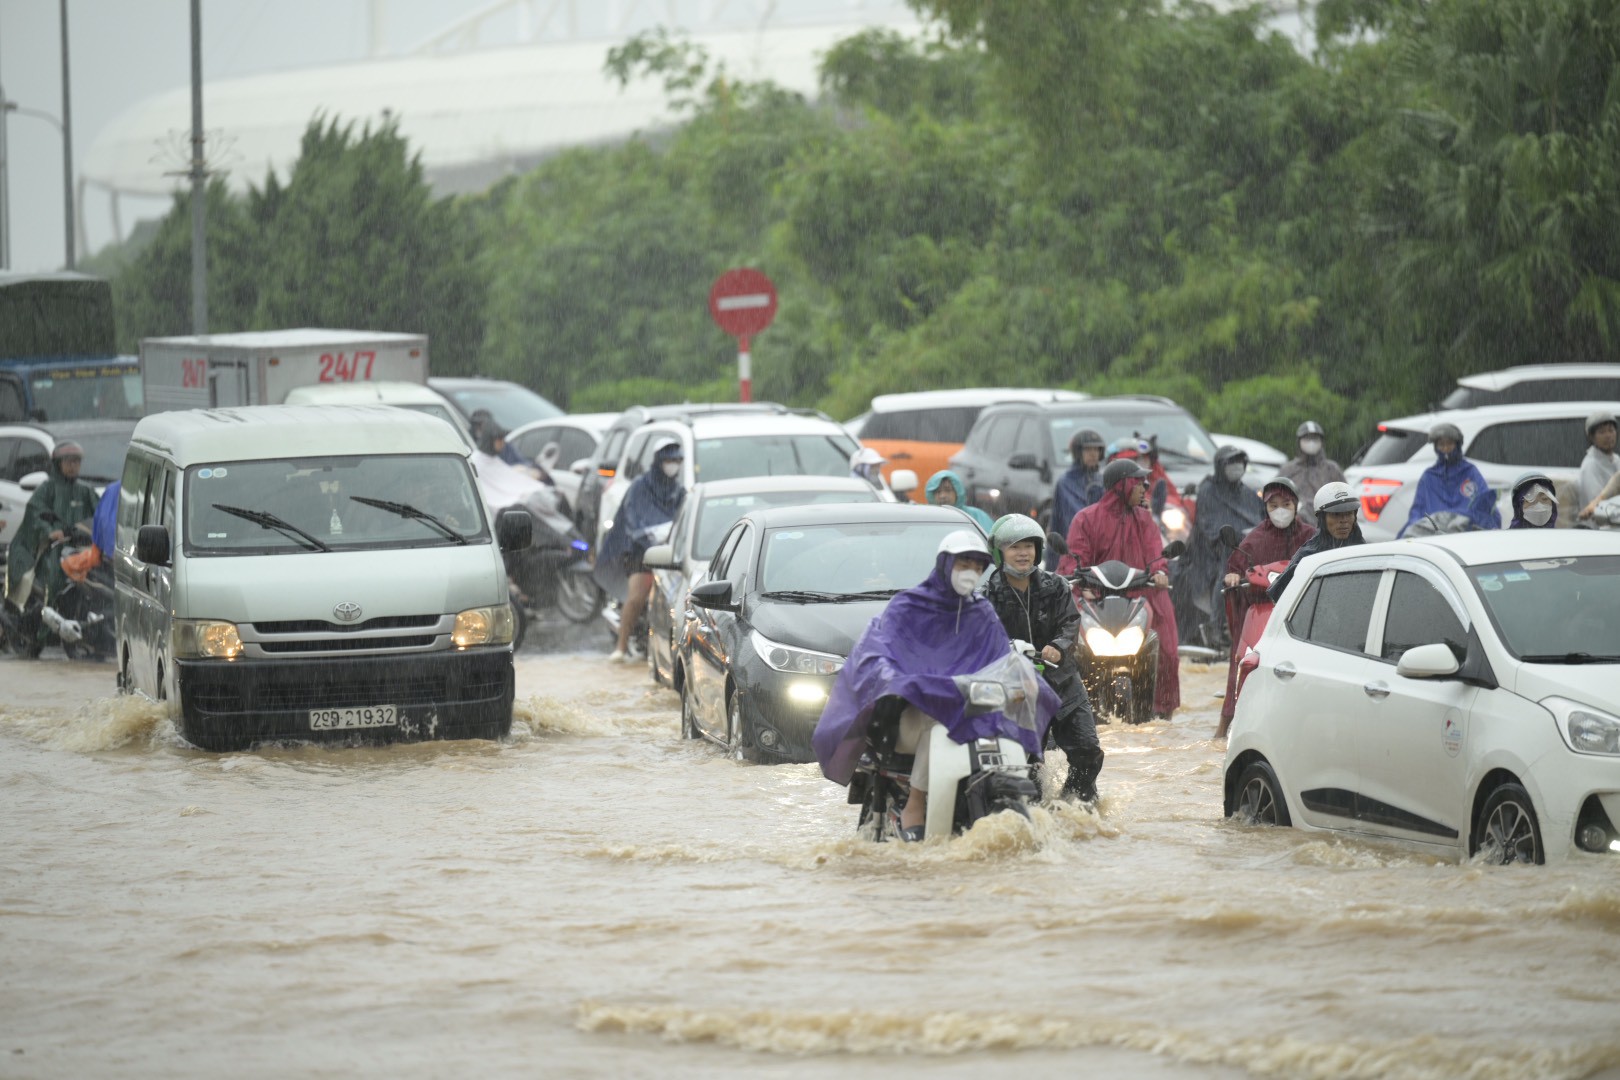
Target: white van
x,y
289,571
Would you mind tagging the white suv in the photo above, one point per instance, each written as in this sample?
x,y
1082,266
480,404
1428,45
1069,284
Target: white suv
x,y
724,446
1535,383
1504,441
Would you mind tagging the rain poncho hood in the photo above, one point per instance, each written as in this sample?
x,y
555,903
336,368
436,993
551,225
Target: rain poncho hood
x,y
1220,502
946,476
925,637
1454,483
71,501
1521,488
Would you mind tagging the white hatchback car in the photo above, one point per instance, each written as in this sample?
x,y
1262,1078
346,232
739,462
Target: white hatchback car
x,y
1460,694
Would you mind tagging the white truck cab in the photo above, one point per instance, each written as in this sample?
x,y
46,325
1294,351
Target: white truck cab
x,y
310,572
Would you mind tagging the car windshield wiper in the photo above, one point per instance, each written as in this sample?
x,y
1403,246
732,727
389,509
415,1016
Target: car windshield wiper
x,y
266,520
1569,658
405,510
801,596
869,594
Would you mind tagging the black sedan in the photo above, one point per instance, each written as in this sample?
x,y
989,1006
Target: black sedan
x,y
787,593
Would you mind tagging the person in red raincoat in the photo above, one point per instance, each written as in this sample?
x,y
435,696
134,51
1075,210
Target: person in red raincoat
x,y
1120,526
1275,539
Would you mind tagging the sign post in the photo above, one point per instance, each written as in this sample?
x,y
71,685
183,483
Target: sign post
x,y
742,303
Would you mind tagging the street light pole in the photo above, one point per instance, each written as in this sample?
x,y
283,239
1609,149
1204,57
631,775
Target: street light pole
x,y
199,189
67,144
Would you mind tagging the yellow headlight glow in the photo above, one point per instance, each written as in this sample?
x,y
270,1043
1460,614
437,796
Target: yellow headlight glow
x,y
483,626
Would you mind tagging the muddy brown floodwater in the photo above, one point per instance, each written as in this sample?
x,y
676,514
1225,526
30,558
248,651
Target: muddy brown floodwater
x,y
596,896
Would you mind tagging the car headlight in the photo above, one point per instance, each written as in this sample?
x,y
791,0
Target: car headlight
x,y
1128,642
483,626
206,639
792,660
1585,730
990,695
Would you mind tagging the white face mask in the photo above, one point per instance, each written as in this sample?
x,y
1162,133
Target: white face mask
x,y
1281,516
672,469
1310,447
1235,471
1538,515
964,581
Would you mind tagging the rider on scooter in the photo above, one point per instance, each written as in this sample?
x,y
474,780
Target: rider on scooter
x,y
73,503
1120,526
1336,507
1036,606
1275,539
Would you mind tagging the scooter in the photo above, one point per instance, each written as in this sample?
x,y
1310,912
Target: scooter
x,y
966,781
81,617
1118,647
552,573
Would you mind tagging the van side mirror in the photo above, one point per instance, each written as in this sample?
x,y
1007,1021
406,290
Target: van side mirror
x,y
1428,662
514,529
713,595
152,545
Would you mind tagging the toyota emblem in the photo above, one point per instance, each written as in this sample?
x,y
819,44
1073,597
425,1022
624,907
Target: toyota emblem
x,y
348,611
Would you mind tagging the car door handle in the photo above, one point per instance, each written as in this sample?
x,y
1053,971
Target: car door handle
x,y
1284,671
1377,690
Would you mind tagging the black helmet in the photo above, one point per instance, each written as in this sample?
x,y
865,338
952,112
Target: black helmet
x,y
1309,427
1083,438
1122,469
488,433
1446,431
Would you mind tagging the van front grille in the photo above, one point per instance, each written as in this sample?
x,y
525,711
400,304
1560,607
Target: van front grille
x,y
319,626
352,644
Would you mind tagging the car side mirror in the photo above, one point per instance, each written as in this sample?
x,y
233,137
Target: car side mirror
x,y
660,557
580,467
1428,662
1023,461
31,481
514,529
1175,549
902,481
1057,543
715,595
152,545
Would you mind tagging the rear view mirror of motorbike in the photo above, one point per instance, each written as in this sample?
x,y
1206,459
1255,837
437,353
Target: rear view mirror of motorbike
x,y
1057,543
1229,536
713,594
1175,549
514,529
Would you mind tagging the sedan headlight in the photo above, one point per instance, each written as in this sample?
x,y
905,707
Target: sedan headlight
x,y
793,660
483,626
1127,643
1586,730
206,639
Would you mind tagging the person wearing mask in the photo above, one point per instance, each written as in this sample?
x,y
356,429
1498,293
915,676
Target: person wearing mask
x,y
1081,484
1036,606
1163,495
1223,499
867,464
1277,538
945,488
1311,468
1120,526
1601,463
1454,484
72,503
652,501
1535,502
1336,527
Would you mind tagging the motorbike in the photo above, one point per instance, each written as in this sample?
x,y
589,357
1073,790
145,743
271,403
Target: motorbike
x,y
81,617
552,574
1253,585
966,781
1118,647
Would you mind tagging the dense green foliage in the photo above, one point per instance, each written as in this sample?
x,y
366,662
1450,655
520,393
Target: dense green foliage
x,y
1116,195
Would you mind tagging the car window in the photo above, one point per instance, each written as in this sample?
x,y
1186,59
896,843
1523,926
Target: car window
x,y
642,458
1181,441
11,400
1539,444
741,560
1391,446
717,565
1299,620
612,447
851,558
131,498
998,441
718,513
531,442
1342,610
632,456
572,444
1535,391
773,455
1554,607
32,456
8,452
1419,615
922,425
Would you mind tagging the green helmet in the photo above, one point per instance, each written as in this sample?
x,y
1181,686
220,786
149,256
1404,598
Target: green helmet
x,y
1012,528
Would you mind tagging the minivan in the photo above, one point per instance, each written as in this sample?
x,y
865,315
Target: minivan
x,y
312,573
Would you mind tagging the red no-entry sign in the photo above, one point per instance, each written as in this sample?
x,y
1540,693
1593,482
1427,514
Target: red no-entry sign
x,y
742,303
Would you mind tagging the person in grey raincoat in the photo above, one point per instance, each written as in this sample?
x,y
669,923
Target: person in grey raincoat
x,y
1223,499
1311,469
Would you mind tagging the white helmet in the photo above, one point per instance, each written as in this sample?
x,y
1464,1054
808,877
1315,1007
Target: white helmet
x,y
1335,498
964,542
866,456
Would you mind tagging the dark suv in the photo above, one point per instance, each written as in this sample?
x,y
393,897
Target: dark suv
x,y
1017,450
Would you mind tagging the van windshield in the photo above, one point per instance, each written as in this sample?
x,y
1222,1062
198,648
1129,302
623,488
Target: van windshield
x,y
331,504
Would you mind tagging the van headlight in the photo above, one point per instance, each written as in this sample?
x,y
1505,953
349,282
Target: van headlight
x,y
206,639
483,626
795,661
1586,730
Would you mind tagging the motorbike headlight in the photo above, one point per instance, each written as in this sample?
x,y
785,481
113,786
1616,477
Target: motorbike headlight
x,y
206,639
483,626
1126,643
793,660
1174,518
1586,730
989,695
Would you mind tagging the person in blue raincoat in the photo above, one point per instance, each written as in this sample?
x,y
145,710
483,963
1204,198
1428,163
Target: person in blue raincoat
x,y
652,500
1454,484
1079,486
913,649
945,488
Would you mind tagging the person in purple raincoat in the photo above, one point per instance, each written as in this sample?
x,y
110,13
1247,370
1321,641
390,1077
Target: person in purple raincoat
x,y
912,650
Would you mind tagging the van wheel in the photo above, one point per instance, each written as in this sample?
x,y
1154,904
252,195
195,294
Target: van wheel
x,y
123,671
162,687
1260,799
1507,830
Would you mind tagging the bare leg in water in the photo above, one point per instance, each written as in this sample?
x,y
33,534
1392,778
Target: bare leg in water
x,y
640,587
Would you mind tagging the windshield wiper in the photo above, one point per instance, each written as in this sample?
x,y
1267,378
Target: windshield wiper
x,y
1569,658
266,520
869,594
801,596
405,510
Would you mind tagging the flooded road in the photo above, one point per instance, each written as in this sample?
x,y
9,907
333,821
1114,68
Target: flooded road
x,y
597,896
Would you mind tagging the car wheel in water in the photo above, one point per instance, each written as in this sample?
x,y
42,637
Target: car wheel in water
x,y
739,741
578,597
1259,796
1507,830
689,728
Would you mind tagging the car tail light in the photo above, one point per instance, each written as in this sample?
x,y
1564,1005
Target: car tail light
x,y
1375,495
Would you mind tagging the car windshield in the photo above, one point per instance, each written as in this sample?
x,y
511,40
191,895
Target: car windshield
x,y
719,513
774,455
1556,607
1181,440
511,405
90,392
882,556
310,504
